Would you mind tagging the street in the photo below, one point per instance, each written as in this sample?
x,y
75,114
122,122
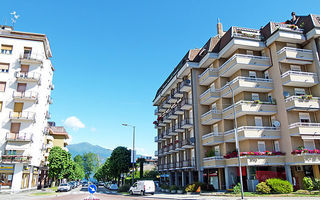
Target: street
x,y
103,193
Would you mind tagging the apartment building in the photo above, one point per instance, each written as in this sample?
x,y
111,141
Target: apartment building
x,y
273,74
25,87
56,136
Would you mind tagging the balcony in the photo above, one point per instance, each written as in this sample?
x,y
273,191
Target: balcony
x,y
25,77
249,108
177,93
303,103
166,150
25,96
22,116
185,86
178,145
172,114
214,161
242,61
187,123
16,159
299,79
166,104
257,160
166,134
209,96
18,137
186,104
305,130
31,58
172,131
187,143
295,56
306,158
188,164
49,145
253,132
172,148
166,118
49,137
157,112
178,128
212,138
208,76
155,153
177,110
161,123
161,109
156,139
240,84
211,117
172,99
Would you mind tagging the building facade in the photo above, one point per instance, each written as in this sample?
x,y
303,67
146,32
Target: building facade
x,y
273,74
25,86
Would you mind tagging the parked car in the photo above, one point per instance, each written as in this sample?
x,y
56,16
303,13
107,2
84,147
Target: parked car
x,y
143,187
101,183
64,187
85,184
107,185
113,187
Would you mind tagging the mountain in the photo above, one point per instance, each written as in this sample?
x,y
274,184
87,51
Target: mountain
x,y
85,147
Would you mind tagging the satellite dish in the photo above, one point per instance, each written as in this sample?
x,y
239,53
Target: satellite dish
x,y
286,94
276,123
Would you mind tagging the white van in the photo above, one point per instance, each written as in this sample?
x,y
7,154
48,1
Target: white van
x,y
143,187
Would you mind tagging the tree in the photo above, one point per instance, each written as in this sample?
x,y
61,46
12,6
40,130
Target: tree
x,y
78,171
152,174
119,161
90,163
104,172
78,159
141,161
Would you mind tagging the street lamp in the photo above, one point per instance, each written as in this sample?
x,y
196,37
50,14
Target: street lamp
x,y
236,138
133,138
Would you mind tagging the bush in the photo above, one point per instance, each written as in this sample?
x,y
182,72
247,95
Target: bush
x,y
263,188
237,188
173,187
302,192
316,184
124,188
307,183
279,186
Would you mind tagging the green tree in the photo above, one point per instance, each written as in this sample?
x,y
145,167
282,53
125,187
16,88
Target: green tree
x,y
78,159
119,161
90,164
141,161
152,174
78,171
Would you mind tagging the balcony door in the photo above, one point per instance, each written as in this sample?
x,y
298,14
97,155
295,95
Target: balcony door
x,y
304,117
258,121
15,127
21,87
309,144
18,108
27,52
24,68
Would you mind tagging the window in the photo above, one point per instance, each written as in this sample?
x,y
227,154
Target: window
x,y
296,68
252,74
276,146
2,86
258,121
217,150
6,49
27,52
4,67
309,144
1,105
299,91
24,68
21,87
214,106
255,96
212,87
215,129
270,97
261,146
266,75
304,117
11,152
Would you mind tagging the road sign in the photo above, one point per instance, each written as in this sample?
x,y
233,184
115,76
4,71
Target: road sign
x,y
92,189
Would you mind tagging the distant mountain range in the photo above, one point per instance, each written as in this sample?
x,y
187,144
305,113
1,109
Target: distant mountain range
x,y
85,147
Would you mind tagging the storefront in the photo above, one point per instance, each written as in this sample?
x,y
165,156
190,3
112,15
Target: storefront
x,y
25,177
301,171
35,173
214,178
6,175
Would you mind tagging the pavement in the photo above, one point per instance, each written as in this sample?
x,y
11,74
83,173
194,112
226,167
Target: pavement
x,y
82,193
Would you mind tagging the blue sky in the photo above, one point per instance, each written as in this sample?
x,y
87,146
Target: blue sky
x,y
112,56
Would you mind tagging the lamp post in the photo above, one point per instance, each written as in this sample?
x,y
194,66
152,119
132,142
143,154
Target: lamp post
x,y
133,138
236,138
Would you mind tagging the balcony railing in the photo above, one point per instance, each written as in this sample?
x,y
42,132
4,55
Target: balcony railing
x,y
16,159
299,79
186,104
28,76
246,33
303,103
16,137
288,27
208,76
24,116
295,56
185,86
211,117
209,96
187,123
253,132
28,95
304,124
32,57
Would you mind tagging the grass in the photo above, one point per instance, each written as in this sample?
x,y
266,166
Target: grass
x,y
54,188
253,194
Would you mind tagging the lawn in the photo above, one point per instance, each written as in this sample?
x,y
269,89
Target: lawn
x,y
293,194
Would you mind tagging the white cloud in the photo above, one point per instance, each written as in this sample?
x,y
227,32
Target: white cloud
x,y
73,123
142,151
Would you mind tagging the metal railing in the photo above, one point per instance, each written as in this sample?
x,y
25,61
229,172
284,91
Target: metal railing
x,y
246,102
206,136
22,115
292,98
242,128
246,33
28,75
287,73
304,124
294,49
244,56
26,94
213,158
15,158
32,56
18,137
211,112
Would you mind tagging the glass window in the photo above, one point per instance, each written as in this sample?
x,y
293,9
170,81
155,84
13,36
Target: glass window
x,y
261,146
217,150
4,67
258,121
2,86
276,146
309,144
255,96
299,91
304,117
249,52
6,49
252,74
266,75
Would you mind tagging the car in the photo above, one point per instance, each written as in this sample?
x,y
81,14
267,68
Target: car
x,y
101,183
84,184
107,185
64,187
113,187
143,187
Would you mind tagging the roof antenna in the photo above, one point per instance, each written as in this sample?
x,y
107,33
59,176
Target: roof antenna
x,y
14,17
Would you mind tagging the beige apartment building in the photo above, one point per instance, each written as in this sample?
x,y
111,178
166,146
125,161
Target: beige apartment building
x,y
274,75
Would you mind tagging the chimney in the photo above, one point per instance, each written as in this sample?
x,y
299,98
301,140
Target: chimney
x,y
219,28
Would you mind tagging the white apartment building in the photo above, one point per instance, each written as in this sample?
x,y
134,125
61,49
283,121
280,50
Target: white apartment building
x,y
25,85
